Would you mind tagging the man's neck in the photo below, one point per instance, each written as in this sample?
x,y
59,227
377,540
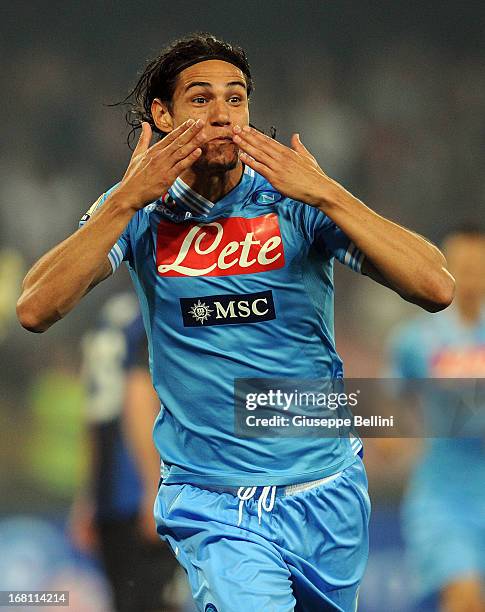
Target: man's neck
x,y
213,187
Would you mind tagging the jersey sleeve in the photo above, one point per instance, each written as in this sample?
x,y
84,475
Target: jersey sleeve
x,y
121,250
325,235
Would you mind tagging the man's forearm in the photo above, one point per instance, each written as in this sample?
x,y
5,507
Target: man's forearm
x,y
403,260
60,279
57,282
396,257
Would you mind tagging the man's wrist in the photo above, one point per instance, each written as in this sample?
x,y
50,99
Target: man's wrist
x,y
123,203
331,196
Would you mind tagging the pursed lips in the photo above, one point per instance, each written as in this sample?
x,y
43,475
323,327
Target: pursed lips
x,y
221,139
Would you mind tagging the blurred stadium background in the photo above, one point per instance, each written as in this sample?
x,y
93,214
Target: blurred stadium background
x,y
390,98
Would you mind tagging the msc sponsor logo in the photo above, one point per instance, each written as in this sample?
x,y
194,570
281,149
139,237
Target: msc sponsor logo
x,y
228,246
228,309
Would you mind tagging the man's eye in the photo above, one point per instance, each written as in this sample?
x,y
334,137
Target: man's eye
x,y
235,99
199,100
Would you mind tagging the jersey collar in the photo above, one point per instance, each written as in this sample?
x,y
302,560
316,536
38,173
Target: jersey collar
x,y
190,201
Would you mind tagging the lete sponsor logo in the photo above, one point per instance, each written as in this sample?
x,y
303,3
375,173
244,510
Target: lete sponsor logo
x,y
227,309
228,246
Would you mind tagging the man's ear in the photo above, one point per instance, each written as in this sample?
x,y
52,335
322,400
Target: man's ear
x,y
161,116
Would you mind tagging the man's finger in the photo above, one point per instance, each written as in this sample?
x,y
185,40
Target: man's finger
x,y
186,130
178,151
299,147
191,136
254,151
185,144
186,162
166,140
270,146
255,165
175,133
144,140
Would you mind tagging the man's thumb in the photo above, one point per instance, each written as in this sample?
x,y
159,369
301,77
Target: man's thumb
x,y
294,142
144,140
299,147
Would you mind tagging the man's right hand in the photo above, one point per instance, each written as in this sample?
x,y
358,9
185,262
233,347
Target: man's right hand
x,y
152,170
56,283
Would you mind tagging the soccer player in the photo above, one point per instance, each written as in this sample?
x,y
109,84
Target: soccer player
x,y
444,509
230,238
115,513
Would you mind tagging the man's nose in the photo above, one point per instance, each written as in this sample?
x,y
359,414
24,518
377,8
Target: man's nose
x,y
219,113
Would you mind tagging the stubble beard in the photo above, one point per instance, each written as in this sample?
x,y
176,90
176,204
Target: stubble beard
x,y
217,158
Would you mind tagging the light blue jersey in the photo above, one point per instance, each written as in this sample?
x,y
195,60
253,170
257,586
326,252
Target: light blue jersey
x,y
242,288
444,507
441,346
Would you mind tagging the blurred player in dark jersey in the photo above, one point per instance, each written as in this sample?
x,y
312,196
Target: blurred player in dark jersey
x,y
444,509
230,238
115,516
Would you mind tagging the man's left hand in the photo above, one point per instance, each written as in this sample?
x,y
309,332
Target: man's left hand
x,y
294,172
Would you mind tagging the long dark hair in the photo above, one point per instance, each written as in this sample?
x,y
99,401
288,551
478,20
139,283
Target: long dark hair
x,y
158,79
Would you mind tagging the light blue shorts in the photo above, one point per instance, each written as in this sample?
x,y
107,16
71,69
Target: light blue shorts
x,y
277,549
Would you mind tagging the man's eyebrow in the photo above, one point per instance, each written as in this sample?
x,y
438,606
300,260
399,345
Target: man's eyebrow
x,y
232,83
209,85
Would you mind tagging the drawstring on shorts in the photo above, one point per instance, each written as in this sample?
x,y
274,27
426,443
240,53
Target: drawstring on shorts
x,y
246,493
269,493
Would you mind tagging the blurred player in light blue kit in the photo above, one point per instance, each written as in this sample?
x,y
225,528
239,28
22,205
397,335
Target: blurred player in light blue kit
x,y
444,509
230,238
